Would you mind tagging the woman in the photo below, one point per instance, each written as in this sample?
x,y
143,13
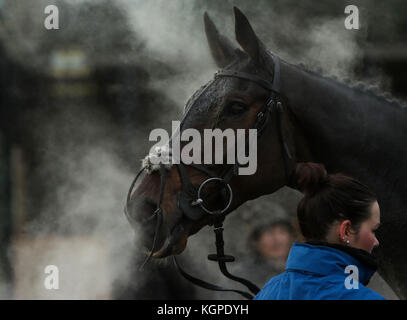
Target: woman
x,y
338,217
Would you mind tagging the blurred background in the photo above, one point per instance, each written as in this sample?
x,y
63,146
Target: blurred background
x,y
76,108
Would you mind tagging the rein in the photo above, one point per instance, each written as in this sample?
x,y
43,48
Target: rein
x,y
189,200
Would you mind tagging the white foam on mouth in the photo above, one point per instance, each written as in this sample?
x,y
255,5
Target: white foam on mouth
x,y
161,155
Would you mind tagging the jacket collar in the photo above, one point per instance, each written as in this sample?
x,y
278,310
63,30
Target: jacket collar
x,y
325,259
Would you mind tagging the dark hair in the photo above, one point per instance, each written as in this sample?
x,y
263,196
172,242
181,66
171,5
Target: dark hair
x,y
329,198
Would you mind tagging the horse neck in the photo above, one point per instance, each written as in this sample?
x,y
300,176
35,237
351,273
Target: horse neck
x,y
348,130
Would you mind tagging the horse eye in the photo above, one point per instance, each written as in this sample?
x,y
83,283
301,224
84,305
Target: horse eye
x,y
236,108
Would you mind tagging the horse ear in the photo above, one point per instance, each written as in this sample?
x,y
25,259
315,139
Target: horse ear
x,y
247,37
221,48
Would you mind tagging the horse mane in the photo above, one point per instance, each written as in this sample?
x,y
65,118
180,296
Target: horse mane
x,y
370,89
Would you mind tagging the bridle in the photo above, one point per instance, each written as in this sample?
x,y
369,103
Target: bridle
x,y
189,199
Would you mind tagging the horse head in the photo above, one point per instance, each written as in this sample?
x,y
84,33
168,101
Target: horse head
x,y
235,99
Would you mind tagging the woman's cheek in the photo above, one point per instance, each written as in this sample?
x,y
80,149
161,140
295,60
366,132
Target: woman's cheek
x,y
367,240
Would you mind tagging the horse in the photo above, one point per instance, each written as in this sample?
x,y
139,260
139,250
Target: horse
x,y
320,119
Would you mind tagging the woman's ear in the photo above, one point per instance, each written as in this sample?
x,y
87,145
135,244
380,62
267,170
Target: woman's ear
x,y
345,230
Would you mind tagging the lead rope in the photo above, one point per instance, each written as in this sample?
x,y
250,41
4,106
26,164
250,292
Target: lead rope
x,y
207,285
222,259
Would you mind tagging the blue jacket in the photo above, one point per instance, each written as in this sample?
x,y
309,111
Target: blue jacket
x,y
317,272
